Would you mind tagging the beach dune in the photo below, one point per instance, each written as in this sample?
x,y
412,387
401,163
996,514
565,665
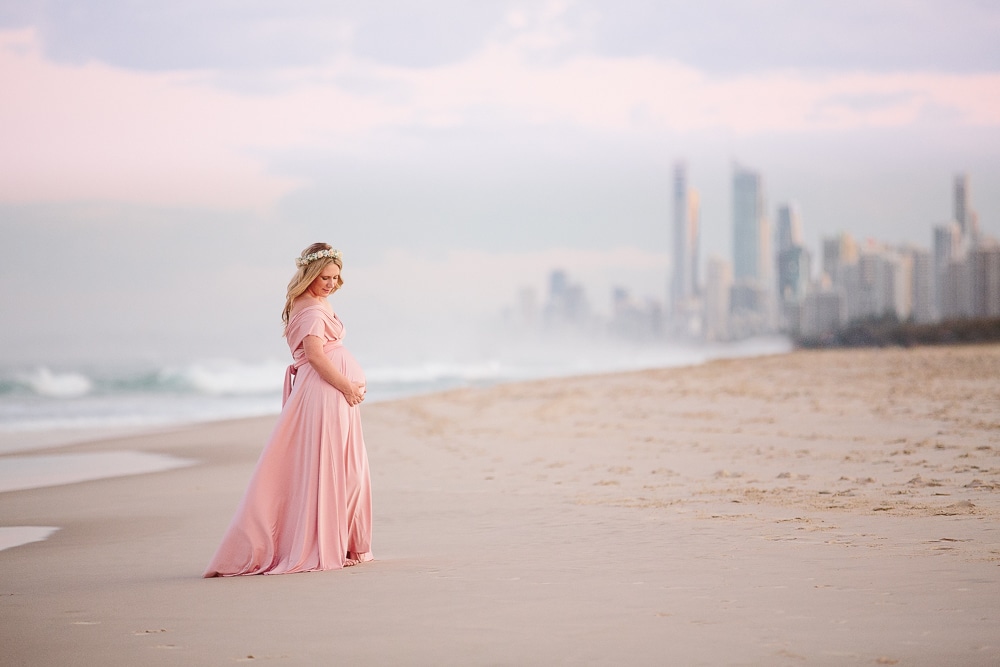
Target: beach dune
x,y
819,507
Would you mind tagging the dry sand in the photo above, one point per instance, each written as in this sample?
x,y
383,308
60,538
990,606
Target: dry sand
x,y
825,508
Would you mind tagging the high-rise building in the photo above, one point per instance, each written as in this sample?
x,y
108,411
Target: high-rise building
x,y
839,253
899,284
794,267
788,230
976,237
684,283
634,320
751,300
751,241
985,266
718,281
947,249
922,288
866,296
824,310
794,271
967,219
880,285
962,209
694,236
956,297
567,304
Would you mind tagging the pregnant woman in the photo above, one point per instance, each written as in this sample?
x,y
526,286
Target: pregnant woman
x,y
308,506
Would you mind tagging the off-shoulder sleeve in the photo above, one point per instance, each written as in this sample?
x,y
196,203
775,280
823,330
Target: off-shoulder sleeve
x,y
309,322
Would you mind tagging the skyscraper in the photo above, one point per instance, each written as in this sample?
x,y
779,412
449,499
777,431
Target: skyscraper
x,y
924,309
684,283
718,281
794,271
947,245
967,219
985,269
962,204
750,229
839,253
789,227
751,300
881,284
794,267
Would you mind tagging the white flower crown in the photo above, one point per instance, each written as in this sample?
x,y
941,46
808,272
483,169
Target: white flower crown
x,y
313,256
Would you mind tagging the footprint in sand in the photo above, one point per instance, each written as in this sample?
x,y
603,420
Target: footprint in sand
x,y
955,509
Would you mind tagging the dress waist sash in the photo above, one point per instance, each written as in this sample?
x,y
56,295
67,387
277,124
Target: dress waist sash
x,y
293,369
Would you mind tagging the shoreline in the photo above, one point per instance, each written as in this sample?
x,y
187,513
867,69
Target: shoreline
x,y
32,445
837,507
45,418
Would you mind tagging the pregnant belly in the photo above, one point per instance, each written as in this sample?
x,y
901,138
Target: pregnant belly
x,y
345,362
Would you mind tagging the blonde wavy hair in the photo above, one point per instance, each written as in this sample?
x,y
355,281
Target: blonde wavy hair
x,y
306,274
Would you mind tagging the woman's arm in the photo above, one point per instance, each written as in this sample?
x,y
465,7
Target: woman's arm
x,y
313,347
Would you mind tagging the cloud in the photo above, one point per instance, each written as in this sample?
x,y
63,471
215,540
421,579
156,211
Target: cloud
x,y
722,37
730,37
95,132
254,35
644,94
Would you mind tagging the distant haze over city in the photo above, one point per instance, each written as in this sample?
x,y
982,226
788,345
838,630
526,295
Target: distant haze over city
x,y
162,166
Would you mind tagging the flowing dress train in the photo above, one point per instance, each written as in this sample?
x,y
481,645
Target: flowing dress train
x,y
308,505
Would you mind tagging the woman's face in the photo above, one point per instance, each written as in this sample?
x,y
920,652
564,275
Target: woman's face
x,y
325,282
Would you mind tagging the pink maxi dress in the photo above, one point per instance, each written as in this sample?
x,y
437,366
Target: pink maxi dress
x,y
308,505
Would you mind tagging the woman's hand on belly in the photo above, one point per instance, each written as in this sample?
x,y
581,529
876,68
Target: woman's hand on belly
x,y
353,391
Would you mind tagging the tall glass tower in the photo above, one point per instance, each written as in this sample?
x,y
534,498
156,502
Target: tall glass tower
x,y
684,282
789,232
962,203
750,229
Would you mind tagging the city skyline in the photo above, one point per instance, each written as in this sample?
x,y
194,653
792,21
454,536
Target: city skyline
x,y
452,150
779,287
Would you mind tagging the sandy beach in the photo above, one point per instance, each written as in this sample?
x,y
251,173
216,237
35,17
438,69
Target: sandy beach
x,y
818,508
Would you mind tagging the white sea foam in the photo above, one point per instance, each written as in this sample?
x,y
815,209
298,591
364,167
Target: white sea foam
x,y
225,389
15,536
56,385
22,440
228,377
123,413
32,472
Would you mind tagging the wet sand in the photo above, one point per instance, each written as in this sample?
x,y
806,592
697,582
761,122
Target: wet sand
x,y
822,507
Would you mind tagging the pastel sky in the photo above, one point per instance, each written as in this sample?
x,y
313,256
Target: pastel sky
x,y
458,150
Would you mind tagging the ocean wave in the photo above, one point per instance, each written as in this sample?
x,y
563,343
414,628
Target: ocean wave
x,y
207,378
126,411
45,398
44,382
227,377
